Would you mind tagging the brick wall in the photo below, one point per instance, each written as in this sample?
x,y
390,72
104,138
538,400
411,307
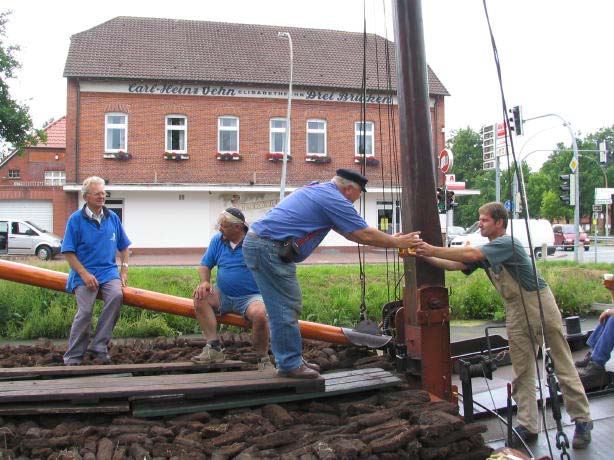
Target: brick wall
x,y
146,133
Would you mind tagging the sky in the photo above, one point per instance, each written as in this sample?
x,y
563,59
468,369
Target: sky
x,y
555,55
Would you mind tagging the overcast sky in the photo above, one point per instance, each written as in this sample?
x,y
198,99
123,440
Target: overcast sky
x,y
555,54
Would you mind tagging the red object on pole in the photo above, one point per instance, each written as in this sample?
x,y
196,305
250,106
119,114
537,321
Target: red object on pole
x,y
155,301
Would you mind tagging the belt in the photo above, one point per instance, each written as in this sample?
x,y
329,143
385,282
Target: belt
x,y
255,235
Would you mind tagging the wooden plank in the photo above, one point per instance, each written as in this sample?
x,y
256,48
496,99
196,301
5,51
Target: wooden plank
x,y
337,383
209,384
30,373
54,408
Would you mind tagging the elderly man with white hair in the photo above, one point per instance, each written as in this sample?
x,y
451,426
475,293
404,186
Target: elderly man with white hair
x,y
94,235
235,290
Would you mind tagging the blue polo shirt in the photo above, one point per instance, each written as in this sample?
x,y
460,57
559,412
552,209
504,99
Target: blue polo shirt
x,y
95,245
314,208
233,277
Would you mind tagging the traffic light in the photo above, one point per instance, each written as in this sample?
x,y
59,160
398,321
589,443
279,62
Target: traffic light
x,y
450,203
516,120
441,199
568,187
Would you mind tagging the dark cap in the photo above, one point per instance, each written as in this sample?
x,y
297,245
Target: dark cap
x,y
236,212
354,176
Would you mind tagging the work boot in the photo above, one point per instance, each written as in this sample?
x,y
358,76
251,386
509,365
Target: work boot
x,y
209,355
584,361
582,435
524,434
592,370
301,372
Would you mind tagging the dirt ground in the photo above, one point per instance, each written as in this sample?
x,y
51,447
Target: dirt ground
x,y
390,424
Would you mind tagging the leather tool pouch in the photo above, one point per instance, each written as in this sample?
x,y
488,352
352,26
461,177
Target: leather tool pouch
x,y
288,250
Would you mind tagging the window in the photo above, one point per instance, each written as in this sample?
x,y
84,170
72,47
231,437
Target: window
x,y
55,177
228,134
364,138
14,174
316,137
176,129
278,135
116,132
389,219
19,228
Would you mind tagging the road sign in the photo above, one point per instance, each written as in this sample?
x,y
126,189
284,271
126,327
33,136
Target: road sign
x,y
450,178
597,208
573,165
488,165
603,195
508,205
445,160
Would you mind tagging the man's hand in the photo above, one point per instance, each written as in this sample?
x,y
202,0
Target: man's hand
x,y
424,249
408,240
123,276
604,315
202,290
90,281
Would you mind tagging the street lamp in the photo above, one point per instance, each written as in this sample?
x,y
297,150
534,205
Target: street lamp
x,y
282,187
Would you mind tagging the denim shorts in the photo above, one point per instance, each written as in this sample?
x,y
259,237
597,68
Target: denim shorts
x,y
236,305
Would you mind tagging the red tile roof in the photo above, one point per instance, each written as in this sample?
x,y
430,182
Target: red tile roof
x,y
56,135
199,51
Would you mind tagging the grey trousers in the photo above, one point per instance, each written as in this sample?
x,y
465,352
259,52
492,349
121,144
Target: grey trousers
x,y
112,297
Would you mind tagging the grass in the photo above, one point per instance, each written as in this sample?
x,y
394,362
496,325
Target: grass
x,y
331,295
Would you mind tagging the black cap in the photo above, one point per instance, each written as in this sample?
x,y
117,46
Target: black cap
x,y
236,212
354,176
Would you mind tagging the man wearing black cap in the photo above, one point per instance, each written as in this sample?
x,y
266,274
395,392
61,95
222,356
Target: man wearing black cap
x,y
289,233
235,290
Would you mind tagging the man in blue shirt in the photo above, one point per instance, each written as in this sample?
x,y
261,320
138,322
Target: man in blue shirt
x,y
601,342
511,272
235,290
93,237
306,215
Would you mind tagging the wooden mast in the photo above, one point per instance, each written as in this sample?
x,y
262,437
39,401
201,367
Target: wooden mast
x,y
425,326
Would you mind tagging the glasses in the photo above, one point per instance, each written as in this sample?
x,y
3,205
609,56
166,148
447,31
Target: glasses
x,y
97,194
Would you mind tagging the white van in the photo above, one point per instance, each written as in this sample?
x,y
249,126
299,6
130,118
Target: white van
x,y
541,233
22,237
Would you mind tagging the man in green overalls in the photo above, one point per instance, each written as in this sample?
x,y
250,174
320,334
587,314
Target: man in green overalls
x,y
510,270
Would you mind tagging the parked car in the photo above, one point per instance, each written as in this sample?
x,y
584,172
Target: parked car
x,y
565,235
453,232
23,237
541,233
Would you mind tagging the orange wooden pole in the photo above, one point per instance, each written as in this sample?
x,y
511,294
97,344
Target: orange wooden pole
x,y
155,301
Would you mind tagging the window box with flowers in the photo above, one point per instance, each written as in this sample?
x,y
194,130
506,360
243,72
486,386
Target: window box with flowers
x,y
175,156
318,158
369,160
228,156
121,155
275,157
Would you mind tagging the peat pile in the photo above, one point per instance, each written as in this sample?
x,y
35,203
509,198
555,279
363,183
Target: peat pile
x,y
391,424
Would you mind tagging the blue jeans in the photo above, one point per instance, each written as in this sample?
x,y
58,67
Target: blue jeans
x,y
282,298
602,341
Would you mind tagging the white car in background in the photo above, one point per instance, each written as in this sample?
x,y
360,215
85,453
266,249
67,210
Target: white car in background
x,y
540,230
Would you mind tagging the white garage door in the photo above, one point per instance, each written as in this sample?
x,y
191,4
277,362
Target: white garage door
x,y
39,212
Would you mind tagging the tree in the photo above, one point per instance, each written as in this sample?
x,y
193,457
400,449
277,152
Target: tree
x,y
15,123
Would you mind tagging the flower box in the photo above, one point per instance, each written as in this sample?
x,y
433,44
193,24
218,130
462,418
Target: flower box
x,y
318,158
228,156
275,157
369,161
175,156
118,155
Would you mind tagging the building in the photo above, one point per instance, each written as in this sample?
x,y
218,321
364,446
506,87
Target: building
x,y
31,184
185,118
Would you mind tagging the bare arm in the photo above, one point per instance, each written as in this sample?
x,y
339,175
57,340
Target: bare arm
x,y
88,279
123,272
462,254
204,288
444,264
374,237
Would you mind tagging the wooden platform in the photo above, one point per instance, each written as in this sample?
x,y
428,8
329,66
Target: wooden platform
x,y
335,384
30,373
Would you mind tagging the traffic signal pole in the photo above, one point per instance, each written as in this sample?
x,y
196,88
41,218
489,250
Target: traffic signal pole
x,y
578,255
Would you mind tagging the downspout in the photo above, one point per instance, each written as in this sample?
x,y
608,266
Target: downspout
x,y
77,130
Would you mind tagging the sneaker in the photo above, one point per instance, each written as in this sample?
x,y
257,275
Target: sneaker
x,y
72,363
209,356
584,361
524,434
312,366
301,372
265,364
582,435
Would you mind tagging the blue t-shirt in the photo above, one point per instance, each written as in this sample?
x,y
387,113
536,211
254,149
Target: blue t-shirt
x,y
95,245
508,253
233,277
313,208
